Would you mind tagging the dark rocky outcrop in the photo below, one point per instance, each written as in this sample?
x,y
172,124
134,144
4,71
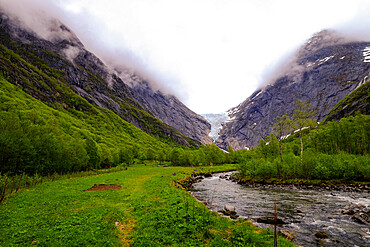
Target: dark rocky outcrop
x,y
325,70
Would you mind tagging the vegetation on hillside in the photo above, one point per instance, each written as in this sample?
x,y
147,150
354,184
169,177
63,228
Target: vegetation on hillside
x,y
337,150
45,75
36,138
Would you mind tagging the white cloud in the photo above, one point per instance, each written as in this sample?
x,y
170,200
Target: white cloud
x,y
211,53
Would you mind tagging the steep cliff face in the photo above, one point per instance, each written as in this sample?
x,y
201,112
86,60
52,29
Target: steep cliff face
x,y
169,109
325,70
89,77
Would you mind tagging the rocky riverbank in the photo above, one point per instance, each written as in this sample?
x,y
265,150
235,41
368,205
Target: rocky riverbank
x,y
297,184
315,213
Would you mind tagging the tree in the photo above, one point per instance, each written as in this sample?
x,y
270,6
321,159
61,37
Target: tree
x,y
303,118
281,129
126,155
175,156
92,152
214,155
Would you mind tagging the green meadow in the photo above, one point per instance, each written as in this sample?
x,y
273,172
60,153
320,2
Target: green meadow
x,y
149,210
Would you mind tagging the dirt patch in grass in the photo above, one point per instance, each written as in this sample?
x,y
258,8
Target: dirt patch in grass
x,y
101,187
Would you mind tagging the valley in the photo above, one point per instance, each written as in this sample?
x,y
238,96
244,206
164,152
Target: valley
x,y
93,153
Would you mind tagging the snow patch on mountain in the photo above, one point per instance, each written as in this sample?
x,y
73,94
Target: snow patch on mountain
x,y
366,54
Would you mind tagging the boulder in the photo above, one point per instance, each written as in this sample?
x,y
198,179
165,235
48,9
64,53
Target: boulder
x,y
321,235
362,218
207,175
229,208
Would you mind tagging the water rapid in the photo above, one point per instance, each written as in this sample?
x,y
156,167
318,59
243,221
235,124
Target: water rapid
x,y
305,212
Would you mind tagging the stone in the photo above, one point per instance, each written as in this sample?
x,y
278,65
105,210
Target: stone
x,y
270,221
165,166
207,175
234,216
349,212
321,234
229,208
361,218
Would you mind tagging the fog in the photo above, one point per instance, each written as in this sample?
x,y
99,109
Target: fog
x,y
211,54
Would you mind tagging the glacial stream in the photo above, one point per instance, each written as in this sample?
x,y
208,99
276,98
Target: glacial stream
x,y
305,212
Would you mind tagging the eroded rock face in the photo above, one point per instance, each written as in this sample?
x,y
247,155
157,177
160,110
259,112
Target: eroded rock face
x,y
325,70
172,111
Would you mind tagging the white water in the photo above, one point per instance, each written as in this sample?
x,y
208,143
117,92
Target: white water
x,y
305,211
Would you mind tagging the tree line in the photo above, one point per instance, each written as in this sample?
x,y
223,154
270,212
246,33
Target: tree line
x,y
299,147
35,138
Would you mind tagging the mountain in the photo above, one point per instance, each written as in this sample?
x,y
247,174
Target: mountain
x,y
170,110
59,53
323,71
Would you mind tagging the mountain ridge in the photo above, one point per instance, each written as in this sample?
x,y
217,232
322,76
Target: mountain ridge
x,y
323,76
92,79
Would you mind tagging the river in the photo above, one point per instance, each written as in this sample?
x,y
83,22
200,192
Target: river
x,y
305,212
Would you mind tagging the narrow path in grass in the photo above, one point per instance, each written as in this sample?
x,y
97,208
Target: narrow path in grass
x,y
147,211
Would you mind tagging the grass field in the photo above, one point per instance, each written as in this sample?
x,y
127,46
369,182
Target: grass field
x,y
148,210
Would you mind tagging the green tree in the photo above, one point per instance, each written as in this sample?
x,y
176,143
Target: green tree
x,y
126,156
281,129
214,155
93,153
303,118
175,156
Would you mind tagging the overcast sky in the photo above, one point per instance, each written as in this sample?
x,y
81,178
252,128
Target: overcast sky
x,y
212,54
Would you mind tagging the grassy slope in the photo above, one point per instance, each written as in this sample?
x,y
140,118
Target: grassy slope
x,y
35,119
147,211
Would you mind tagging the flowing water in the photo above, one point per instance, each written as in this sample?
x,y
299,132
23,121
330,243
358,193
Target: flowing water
x,y
306,212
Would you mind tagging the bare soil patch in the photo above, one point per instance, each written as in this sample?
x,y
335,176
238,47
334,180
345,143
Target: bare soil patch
x,y
101,187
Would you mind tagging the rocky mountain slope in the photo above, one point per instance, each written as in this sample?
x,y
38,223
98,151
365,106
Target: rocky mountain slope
x,y
323,71
170,110
60,54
